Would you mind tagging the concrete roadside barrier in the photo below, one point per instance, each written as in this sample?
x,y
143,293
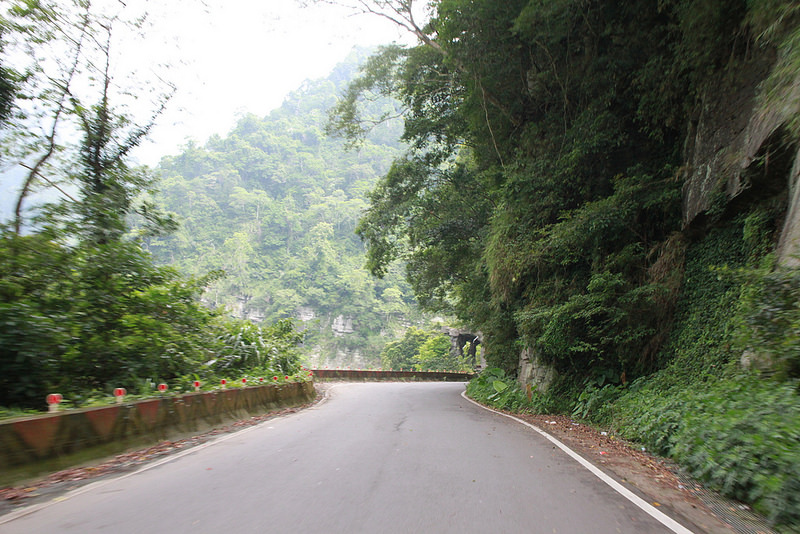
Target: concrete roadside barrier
x,y
41,443
380,375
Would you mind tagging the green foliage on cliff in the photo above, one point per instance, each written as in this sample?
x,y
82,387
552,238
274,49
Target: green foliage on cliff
x,y
540,181
734,429
546,186
540,202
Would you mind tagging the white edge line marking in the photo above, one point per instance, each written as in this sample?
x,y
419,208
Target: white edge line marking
x,y
12,516
658,515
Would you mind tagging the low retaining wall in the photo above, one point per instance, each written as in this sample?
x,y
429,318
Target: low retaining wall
x,y
417,376
37,444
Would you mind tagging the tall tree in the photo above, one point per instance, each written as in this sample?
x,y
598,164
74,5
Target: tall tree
x,y
524,203
61,53
82,306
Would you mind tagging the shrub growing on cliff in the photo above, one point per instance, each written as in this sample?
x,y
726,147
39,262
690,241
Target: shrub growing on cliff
x,y
770,319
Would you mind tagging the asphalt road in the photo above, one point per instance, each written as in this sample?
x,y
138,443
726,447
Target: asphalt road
x,y
375,458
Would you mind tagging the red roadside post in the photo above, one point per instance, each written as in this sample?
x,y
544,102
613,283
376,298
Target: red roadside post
x,y
53,400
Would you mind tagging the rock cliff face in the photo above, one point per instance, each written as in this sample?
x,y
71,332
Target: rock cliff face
x,y
534,372
722,142
305,314
342,325
341,359
738,150
788,253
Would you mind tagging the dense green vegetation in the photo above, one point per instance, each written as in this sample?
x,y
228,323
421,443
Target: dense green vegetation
x,y
541,203
542,181
423,351
83,308
537,195
275,204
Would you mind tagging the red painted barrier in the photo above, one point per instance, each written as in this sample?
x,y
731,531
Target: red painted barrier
x,y
57,439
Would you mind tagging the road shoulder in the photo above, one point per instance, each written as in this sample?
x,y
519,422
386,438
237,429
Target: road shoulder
x,y
656,480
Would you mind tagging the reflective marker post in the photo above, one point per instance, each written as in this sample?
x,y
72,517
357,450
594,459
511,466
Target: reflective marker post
x,y
53,400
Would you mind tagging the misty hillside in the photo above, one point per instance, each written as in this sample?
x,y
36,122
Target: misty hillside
x,y
274,204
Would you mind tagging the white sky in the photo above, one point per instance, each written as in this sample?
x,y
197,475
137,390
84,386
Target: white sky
x,y
230,57
226,58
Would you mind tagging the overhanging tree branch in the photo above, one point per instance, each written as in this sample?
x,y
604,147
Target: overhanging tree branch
x,y
401,13
64,92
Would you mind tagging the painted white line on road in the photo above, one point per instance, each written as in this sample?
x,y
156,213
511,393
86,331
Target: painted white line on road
x,y
646,507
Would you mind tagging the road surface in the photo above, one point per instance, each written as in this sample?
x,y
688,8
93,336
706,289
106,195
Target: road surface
x,y
373,458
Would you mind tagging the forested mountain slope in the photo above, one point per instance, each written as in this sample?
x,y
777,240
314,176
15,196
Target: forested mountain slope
x,y
275,204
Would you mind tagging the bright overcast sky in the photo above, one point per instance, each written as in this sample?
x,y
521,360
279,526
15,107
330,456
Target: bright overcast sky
x,y
230,57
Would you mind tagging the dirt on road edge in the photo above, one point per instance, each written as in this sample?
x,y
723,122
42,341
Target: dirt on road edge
x,y
657,480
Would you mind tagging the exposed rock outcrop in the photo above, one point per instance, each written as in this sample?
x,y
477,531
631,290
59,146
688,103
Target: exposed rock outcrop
x,y
459,339
739,148
305,314
342,325
724,139
534,372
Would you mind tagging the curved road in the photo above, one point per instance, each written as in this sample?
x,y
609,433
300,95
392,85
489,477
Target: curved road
x,y
376,458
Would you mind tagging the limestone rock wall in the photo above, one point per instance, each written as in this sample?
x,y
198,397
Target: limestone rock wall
x,y
717,139
534,372
739,147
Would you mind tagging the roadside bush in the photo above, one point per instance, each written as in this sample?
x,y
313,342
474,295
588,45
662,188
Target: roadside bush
x,y
498,390
435,355
739,434
595,403
84,319
770,318
245,346
736,431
